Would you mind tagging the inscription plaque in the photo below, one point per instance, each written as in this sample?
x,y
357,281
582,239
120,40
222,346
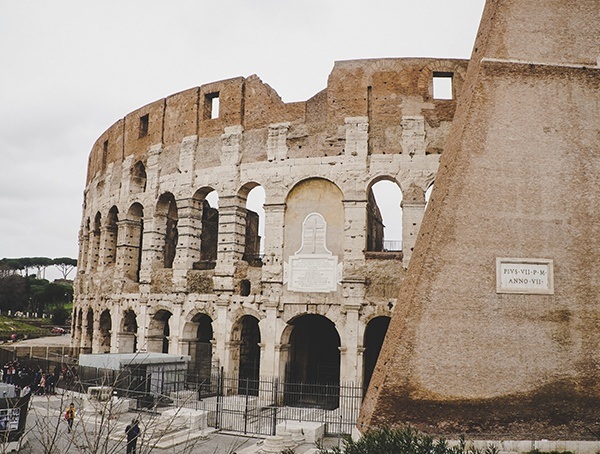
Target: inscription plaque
x,y
532,276
313,268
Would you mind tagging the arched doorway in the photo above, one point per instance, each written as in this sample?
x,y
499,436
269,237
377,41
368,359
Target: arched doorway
x,y
249,355
159,332
374,336
105,331
89,330
313,372
200,349
128,340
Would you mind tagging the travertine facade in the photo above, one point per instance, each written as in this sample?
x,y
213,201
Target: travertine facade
x,y
160,269
498,332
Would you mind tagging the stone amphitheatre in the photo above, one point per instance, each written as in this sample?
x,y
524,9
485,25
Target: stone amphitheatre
x,y
496,320
162,270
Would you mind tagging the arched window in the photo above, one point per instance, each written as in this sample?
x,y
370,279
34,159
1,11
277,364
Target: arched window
x,y
384,217
111,232
167,218
255,226
138,177
95,249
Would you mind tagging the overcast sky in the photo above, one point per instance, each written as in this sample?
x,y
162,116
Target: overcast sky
x,y
70,69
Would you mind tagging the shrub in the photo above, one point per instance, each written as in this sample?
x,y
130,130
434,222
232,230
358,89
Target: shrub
x,y
403,440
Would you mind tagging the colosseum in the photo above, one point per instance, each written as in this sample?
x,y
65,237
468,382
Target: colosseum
x,y
174,257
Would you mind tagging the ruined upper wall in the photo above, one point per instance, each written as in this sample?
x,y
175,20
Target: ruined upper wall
x,y
382,90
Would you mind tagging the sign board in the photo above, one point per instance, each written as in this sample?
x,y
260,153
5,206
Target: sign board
x,y
527,276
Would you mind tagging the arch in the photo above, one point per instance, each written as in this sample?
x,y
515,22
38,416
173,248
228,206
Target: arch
x,y
206,201
384,215
89,329
159,331
95,243
138,178
199,334
129,332
314,195
314,361
111,238
167,218
132,242
254,219
373,340
246,337
105,331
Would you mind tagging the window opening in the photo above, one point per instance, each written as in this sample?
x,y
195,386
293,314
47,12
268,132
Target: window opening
x,y
384,217
144,120
255,227
211,106
442,85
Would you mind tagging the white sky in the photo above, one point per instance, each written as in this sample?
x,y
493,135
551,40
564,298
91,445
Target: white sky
x,y
70,69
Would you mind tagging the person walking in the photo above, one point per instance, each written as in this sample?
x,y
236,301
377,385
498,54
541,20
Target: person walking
x,y
132,431
70,416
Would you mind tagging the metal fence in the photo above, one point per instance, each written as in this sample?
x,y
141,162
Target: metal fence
x,y
248,406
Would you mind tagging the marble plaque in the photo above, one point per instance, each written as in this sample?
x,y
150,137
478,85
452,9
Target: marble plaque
x,y
532,276
313,268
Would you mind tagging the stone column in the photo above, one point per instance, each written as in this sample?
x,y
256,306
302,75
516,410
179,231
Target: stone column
x,y
272,269
355,241
189,228
232,235
349,350
269,336
175,328
357,137
277,141
221,333
97,340
116,316
413,209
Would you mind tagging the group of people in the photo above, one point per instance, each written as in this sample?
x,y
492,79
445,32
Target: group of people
x,y
27,379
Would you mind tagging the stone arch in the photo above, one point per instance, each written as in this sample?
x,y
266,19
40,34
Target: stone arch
x,y
167,218
89,329
206,226
111,236
129,332
95,241
245,340
132,242
138,178
314,195
254,219
105,331
159,331
198,332
384,215
313,361
375,332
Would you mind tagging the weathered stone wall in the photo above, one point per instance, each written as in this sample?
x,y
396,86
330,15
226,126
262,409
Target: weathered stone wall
x,y
376,120
463,355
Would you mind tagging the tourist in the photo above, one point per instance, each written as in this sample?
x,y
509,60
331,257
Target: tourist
x,y
132,431
70,416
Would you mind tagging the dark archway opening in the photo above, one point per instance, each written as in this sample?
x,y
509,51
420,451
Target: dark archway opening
x,y
374,336
201,348
105,331
130,329
249,356
314,363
